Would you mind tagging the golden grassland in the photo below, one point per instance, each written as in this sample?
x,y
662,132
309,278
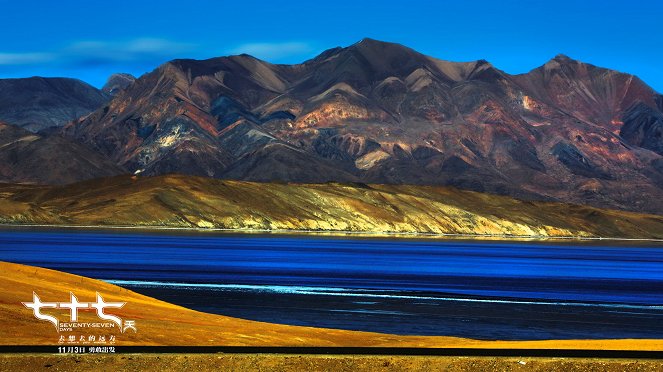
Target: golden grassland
x,y
204,203
163,324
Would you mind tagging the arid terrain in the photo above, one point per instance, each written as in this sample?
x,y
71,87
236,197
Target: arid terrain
x,y
160,323
196,202
275,362
371,138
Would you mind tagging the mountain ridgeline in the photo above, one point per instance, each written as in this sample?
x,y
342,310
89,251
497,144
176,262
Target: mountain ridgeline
x,y
38,103
381,113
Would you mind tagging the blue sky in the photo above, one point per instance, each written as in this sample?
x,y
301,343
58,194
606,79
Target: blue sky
x,y
92,39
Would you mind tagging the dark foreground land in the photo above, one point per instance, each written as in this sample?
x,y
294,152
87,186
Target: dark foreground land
x,y
270,362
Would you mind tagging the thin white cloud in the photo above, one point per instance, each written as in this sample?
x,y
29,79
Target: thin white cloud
x,y
144,52
100,52
153,45
25,58
273,51
129,50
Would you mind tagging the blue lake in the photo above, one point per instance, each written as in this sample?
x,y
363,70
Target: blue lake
x,y
477,289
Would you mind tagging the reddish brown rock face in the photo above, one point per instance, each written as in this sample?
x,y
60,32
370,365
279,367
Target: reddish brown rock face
x,y
382,113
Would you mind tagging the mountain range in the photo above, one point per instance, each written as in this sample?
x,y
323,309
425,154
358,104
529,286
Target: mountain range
x,y
373,112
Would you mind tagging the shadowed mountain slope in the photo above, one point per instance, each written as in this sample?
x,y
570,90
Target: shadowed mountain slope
x,y
32,158
38,103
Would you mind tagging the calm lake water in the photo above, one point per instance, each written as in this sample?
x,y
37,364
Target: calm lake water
x,y
486,290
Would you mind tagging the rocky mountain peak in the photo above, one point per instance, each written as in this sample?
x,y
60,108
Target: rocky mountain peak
x,y
117,83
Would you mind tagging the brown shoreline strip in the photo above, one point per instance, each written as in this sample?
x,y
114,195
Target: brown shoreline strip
x,y
404,351
287,363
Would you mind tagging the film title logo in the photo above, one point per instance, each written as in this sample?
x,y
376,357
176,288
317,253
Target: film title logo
x,y
100,305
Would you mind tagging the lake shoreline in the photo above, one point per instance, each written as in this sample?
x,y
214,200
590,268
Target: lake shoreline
x,y
331,233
